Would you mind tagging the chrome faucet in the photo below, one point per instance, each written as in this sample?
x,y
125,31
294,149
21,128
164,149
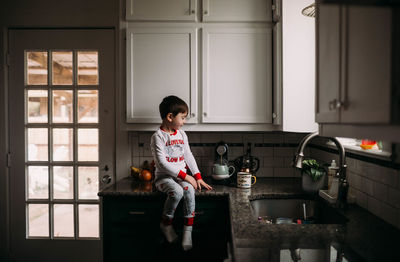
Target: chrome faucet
x,y
341,200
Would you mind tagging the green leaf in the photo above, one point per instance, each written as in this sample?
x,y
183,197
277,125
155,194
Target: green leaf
x,y
312,168
313,171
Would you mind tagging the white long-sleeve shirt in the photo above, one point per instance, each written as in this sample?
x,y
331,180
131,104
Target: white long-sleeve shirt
x,y
172,155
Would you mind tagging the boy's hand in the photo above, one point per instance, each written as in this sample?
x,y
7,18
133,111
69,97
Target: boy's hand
x,y
191,180
200,183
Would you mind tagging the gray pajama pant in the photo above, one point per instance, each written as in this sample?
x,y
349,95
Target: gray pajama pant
x,y
175,190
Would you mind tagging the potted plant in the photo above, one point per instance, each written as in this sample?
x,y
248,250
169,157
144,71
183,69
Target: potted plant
x,y
313,176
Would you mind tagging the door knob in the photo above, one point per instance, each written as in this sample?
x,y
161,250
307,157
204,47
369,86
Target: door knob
x,y
106,179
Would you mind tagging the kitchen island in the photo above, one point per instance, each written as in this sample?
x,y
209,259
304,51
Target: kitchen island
x,y
363,238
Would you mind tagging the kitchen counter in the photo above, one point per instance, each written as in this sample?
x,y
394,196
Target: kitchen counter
x,y
363,238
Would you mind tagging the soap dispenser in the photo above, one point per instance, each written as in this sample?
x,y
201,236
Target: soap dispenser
x,y
333,169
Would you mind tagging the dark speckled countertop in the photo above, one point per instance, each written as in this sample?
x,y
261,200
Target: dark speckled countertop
x,y
363,238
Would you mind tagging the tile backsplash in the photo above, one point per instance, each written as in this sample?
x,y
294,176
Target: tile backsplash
x,y
373,187
274,149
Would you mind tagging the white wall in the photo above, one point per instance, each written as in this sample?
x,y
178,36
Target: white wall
x,y
298,38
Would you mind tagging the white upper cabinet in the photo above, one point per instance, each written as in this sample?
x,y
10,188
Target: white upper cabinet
x,y
237,75
357,60
354,64
368,87
160,62
227,80
237,11
186,10
328,63
161,10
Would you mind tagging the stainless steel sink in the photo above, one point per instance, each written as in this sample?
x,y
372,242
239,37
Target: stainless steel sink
x,y
286,210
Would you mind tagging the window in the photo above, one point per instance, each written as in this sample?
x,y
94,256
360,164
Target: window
x,y
62,149
365,146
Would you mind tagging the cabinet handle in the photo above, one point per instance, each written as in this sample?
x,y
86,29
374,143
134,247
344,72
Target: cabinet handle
x,y
339,104
193,115
335,104
136,213
332,104
204,114
205,12
193,11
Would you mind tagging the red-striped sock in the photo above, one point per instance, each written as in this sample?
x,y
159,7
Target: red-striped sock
x,y
168,230
187,237
166,221
188,221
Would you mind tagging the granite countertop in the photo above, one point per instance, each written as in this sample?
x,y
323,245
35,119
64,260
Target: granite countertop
x,y
363,238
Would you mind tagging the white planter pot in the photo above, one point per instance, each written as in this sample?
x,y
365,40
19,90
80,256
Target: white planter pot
x,y
311,186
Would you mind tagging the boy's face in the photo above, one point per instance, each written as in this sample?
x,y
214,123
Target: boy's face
x,y
178,121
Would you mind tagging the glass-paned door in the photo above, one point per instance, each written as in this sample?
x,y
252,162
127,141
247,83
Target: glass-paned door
x,y
62,129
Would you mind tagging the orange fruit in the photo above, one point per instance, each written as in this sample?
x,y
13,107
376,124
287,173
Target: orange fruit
x,y
145,175
146,186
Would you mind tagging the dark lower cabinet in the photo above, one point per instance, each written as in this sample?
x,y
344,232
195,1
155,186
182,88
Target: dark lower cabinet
x,y
131,230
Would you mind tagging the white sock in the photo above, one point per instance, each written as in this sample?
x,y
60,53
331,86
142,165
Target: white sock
x,y
187,238
169,232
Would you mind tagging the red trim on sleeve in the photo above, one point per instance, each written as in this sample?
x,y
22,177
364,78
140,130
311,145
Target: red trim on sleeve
x,y
182,175
197,176
189,221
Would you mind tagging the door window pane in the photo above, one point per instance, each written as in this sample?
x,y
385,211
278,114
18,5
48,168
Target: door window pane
x,y
63,143
38,182
88,220
88,73
38,220
88,182
88,144
62,106
62,68
63,220
88,106
37,144
36,68
37,106
63,182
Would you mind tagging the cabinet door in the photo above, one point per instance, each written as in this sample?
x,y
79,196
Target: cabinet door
x,y
131,228
368,89
161,10
237,11
237,75
328,28
160,62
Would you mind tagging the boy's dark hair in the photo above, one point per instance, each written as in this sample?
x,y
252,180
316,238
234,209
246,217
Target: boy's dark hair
x,y
174,105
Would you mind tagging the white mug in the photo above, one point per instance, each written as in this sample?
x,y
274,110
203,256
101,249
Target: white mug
x,y
244,180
